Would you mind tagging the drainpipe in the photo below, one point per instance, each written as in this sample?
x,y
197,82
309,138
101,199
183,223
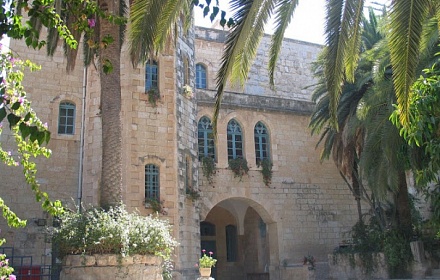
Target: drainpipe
x,y
81,145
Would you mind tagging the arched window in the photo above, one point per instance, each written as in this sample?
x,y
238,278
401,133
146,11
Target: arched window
x,y
152,187
205,138
151,75
231,243
200,76
261,138
66,118
235,140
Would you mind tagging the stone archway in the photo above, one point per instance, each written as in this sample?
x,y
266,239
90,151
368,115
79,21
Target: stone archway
x,y
244,238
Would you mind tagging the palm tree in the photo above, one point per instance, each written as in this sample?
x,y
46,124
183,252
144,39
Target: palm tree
x,y
102,30
408,20
346,144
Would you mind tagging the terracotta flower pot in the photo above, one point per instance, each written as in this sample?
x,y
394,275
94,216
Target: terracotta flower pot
x,y
205,271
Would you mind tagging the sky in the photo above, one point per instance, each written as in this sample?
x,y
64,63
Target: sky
x,y
308,22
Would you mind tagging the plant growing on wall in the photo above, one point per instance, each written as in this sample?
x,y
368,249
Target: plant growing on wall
x,y
266,170
156,205
208,168
153,96
192,193
239,167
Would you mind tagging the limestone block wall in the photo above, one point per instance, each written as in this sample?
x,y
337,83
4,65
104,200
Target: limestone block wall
x,y
293,73
309,203
57,175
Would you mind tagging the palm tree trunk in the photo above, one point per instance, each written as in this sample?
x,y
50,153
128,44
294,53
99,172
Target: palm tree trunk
x,y
403,209
111,176
356,191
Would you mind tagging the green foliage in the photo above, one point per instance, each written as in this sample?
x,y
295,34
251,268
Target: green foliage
x,y
207,261
398,254
156,205
423,126
153,96
266,171
239,167
208,168
5,270
366,241
192,193
369,239
115,231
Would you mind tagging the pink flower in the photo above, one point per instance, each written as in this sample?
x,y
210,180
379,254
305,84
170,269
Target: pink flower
x,y
196,265
211,253
203,251
91,22
12,277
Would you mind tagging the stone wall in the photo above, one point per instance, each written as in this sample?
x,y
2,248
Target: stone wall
x,y
105,267
58,175
351,266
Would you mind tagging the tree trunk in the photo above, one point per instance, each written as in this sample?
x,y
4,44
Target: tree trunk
x,y
356,191
403,208
111,175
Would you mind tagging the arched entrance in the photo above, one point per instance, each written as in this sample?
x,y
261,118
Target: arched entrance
x,y
243,237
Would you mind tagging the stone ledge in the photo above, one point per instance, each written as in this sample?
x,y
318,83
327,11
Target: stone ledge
x,y
256,102
110,260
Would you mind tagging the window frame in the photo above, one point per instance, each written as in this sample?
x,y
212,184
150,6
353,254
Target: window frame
x,y
151,75
63,128
152,181
235,143
201,76
205,135
261,142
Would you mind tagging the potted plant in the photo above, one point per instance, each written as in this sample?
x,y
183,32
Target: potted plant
x,y
309,261
206,263
97,240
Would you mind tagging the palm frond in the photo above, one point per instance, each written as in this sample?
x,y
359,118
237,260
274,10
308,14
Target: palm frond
x,y
141,35
354,37
241,44
407,18
341,15
284,12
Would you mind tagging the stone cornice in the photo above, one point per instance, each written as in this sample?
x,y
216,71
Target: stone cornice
x,y
256,102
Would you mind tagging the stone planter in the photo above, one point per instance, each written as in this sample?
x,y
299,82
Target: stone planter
x,y
205,271
105,267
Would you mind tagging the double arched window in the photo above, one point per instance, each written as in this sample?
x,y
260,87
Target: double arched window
x,y
205,138
235,140
261,139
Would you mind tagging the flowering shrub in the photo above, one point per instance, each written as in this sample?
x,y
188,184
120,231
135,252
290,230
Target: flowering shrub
x,y
207,261
114,231
5,269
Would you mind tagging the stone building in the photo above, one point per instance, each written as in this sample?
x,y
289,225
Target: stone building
x,y
255,230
